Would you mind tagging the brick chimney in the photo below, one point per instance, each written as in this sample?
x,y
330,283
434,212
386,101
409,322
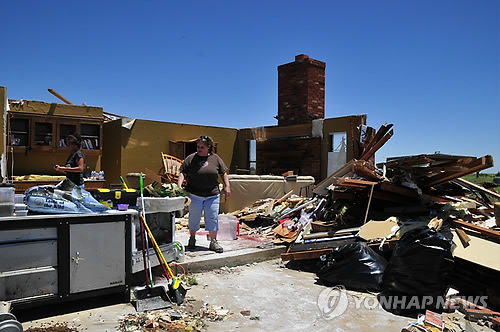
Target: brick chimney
x,y
301,91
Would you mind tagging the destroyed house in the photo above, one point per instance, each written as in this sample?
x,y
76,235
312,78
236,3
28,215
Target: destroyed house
x,y
303,141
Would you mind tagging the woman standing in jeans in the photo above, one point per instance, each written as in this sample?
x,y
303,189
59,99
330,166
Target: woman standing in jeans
x,y
201,171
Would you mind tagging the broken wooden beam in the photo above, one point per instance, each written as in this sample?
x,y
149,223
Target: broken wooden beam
x,y
482,230
475,166
478,187
377,146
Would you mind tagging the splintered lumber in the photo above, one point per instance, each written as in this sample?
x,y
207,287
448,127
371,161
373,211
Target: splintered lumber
x,y
478,187
284,197
361,168
484,231
343,182
368,154
322,235
321,188
376,138
464,238
302,255
474,166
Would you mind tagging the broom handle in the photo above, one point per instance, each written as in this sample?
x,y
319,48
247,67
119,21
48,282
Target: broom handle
x,y
144,218
157,247
157,254
144,255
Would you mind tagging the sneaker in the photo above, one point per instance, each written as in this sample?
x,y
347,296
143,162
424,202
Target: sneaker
x,y
191,243
215,246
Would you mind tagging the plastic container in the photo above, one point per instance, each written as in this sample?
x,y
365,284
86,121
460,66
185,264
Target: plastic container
x,y
19,198
228,227
7,196
122,207
21,213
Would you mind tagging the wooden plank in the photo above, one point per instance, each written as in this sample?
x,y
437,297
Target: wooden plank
x,y
320,188
347,182
322,235
377,137
284,197
302,255
478,187
360,167
464,238
485,231
475,166
289,131
377,146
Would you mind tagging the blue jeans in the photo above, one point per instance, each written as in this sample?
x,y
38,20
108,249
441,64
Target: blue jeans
x,y
209,205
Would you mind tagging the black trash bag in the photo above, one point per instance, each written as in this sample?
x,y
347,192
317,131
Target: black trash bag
x,y
354,265
420,266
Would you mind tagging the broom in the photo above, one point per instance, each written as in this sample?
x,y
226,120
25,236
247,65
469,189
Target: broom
x,y
175,289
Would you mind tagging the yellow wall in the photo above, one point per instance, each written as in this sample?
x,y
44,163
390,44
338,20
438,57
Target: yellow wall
x,y
112,151
38,162
54,109
141,146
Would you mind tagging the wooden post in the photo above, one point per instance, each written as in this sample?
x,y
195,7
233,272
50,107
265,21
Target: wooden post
x,y
369,202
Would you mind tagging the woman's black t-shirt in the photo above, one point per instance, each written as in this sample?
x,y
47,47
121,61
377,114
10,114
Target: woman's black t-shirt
x,y
202,174
76,178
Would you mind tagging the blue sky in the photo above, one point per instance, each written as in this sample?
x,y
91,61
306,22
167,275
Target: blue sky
x,y
431,67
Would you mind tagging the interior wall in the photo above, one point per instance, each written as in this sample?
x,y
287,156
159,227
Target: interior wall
x,y
141,146
38,162
55,109
112,151
350,125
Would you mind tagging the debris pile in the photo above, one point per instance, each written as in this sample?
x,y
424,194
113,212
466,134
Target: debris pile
x,y
173,320
418,213
52,327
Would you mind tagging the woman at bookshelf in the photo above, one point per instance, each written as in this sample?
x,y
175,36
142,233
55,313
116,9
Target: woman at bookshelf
x,y
75,163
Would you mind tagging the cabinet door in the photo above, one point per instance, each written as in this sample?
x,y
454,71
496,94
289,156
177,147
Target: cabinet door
x,y
97,256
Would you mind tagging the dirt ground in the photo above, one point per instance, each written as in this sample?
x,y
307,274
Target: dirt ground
x,y
259,297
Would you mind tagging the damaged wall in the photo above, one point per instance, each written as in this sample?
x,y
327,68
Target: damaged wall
x,y
35,160
141,146
299,154
348,124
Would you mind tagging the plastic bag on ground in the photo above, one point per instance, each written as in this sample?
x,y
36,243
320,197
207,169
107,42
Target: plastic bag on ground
x,y
354,265
420,266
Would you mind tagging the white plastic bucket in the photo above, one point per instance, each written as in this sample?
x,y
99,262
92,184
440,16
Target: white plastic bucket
x,y
228,227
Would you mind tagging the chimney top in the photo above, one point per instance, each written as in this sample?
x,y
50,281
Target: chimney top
x,y
301,57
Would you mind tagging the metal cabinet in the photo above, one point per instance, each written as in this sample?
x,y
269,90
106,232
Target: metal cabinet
x,y
54,258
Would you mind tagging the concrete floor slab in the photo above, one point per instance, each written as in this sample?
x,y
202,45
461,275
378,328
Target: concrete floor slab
x,y
278,299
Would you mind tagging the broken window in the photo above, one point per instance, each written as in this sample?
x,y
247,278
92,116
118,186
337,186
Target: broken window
x,y
337,151
252,156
